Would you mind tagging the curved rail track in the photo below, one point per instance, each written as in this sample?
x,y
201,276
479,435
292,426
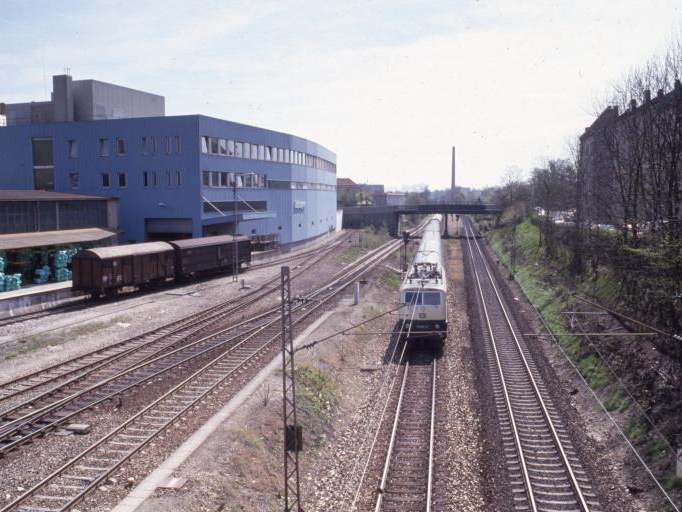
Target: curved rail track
x,y
544,469
89,380
70,483
407,478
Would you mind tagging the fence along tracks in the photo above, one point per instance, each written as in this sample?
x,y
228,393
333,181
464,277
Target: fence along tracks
x,y
545,473
407,478
88,380
70,483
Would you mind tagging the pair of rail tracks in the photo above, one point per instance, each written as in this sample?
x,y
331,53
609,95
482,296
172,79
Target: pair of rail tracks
x,y
242,346
544,470
89,380
407,477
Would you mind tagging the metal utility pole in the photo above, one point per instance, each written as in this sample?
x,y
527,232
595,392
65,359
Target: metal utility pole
x,y
452,183
292,432
235,243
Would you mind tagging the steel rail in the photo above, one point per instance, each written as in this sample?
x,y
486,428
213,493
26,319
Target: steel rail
x,y
394,432
139,343
510,411
400,423
13,427
541,402
363,267
429,485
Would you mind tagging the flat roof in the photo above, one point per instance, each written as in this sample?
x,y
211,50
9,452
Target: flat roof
x,y
45,238
45,195
119,251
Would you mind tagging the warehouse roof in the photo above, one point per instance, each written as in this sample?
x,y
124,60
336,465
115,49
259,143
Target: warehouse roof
x,y
46,238
45,195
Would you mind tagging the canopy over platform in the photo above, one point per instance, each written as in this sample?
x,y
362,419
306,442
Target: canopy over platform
x,y
13,241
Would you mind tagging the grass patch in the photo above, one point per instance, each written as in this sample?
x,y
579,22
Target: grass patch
x,y
635,429
617,401
391,279
594,372
317,395
248,439
657,448
671,482
351,254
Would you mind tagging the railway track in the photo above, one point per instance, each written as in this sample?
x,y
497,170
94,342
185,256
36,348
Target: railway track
x,y
92,379
146,345
80,305
545,473
70,483
407,477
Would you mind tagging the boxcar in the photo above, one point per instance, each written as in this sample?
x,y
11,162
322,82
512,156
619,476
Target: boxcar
x,y
210,254
107,269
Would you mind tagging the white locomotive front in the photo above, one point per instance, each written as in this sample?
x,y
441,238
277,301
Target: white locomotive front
x,y
423,293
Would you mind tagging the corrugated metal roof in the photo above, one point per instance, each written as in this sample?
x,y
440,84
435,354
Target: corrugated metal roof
x,y
45,238
119,251
45,195
189,243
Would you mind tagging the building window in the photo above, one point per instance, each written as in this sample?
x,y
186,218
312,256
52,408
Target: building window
x,y
122,180
230,148
206,175
214,146
155,181
280,155
178,144
103,147
286,156
253,231
238,146
204,144
254,152
267,153
73,179
153,143
222,146
178,178
215,179
167,144
73,149
145,179
261,152
169,181
223,179
144,145
105,180
247,150
43,164
279,228
121,147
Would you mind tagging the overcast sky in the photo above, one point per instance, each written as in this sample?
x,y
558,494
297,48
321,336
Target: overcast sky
x,y
388,86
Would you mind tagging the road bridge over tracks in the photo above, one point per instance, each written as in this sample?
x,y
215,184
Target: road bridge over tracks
x,y
361,216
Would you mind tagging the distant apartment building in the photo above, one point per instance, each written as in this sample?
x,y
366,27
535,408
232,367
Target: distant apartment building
x,y
396,198
173,176
359,194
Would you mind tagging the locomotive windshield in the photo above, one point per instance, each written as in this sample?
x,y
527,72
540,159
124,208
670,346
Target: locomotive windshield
x,y
422,299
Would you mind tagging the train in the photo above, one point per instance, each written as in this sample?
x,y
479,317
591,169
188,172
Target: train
x,y
423,292
106,270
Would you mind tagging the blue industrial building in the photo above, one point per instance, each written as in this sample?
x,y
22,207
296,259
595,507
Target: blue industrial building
x,y
174,176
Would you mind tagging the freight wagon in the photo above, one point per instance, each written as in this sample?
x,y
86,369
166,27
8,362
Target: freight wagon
x,y
105,270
